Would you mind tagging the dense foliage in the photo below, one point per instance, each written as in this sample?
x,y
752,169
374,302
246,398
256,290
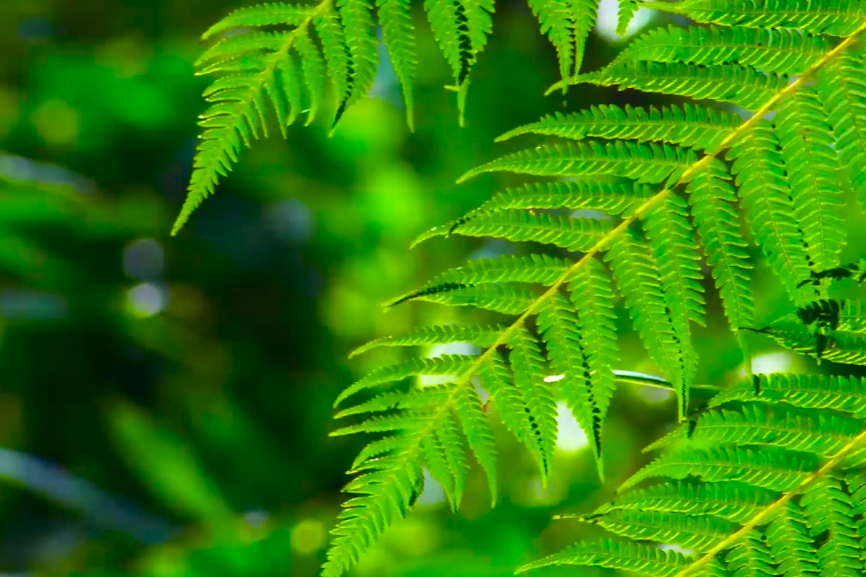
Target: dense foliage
x,y
716,204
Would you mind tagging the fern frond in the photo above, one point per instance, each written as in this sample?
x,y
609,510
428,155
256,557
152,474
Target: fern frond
x,y
829,508
766,195
499,298
636,273
467,404
772,469
843,394
771,50
712,200
670,236
806,148
776,454
625,555
822,434
751,556
260,15
444,365
612,196
399,34
790,542
692,126
591,293
845,348
574,234
561,331
842,88
386,494
739,85
480,336
360,38
557,22
646,163
261,69
540,269
729,500
830,17
461,28
528,363
625,13
412,399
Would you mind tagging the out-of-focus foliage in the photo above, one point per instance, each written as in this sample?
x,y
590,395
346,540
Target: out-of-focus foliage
x,y
137,368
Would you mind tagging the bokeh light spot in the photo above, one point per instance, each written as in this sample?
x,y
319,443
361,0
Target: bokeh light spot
x,y
146,299
308,536
144,259
570,437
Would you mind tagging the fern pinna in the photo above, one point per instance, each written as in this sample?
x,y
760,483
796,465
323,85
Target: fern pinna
x,y
281,56
663,179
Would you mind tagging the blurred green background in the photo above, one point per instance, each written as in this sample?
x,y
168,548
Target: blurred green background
x,y
165,403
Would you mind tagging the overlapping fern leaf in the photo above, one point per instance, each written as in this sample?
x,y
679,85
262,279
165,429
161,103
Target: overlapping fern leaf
x,y
658,191
768,480
280,57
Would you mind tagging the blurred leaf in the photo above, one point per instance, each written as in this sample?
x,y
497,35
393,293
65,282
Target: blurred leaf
x,y
166,464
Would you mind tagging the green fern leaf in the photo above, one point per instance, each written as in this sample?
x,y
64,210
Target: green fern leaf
x,y
591,293
729,500
829,508
685,531
635,272
507,399
584,16
751,557
574,234
625,13
480,336
528,364
558,23
386,494
561,331
461,28
624,555
805,137
693,126
444,365
412,399
831,17
766,195
739,85
361,41
399,34
647,163
843,348
670,236
844,394
612,196
499,298
541,269
779,51
768,468
260,15
329,29
822,434
712,202
478,435
842,88
790,544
